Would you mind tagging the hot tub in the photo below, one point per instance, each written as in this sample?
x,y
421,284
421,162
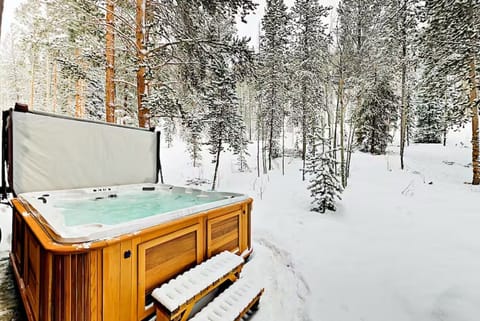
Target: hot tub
x,y
97,253
90,214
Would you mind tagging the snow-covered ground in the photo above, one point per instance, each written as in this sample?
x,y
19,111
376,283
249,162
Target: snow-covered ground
x,y
403,245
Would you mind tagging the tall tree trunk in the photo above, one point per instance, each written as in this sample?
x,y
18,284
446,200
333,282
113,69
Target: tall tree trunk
x,y
474,108
336,120
408,117
403,119
304,129
351,135
79,98
258,148
47,81
342,134
445,120
372,138
1,14
270,141
141,51
110,60
78,89
55,86
32,80
283,140
264,149
217,161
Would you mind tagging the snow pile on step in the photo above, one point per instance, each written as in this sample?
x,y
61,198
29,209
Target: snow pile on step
x,y
185,286
230,304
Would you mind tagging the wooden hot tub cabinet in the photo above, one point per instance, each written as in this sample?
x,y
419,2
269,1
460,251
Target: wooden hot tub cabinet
x,y
111,280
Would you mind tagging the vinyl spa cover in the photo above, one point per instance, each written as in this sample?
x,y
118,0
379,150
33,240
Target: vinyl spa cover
x,y
51,153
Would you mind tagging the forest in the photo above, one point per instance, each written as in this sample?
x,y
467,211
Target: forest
x,y
335,80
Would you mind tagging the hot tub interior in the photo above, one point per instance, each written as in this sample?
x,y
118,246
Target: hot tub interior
x,y
94,213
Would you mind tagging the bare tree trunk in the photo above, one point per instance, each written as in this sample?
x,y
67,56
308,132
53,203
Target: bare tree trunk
x,y
217,161
78,89
1,14
79,110
54,89
329,116
445,120
264,149
110,60
403,119
32,80
141,51
258,151
304,129
335,129
474,107
408,117
351,135
270,142
47,81
258,136
283,140
342,134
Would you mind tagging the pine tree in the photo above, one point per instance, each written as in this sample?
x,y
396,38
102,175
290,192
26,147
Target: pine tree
x,y
324,186
310,51
376,117
400,35
225,125
272,71
194,125
429,127
451,36
361,59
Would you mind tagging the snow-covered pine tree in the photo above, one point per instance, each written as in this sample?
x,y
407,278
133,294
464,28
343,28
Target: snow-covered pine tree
x,y
194,124
429,126
400,33
272,72
225,126
325,185
168,130
310,51
178,47
451,36
376,117
360,59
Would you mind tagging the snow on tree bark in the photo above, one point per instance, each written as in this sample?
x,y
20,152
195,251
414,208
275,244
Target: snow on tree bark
x,y
110,62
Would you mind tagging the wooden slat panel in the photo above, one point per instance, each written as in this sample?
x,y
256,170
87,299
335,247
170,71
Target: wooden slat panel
x,y
18,240
94,289
32,273
223,233
126,281
165,257
111,284
224,227
231,246
46,288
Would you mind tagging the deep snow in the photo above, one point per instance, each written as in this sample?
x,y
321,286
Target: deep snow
x,y
398,247
403,245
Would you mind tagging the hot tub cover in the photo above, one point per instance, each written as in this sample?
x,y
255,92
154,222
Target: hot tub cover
x,y
53,153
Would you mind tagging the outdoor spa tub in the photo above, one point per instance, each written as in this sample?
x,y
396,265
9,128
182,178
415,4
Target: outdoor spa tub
x,y
97,253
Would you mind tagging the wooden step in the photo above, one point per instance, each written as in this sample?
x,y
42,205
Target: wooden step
x,y
233,303
176,299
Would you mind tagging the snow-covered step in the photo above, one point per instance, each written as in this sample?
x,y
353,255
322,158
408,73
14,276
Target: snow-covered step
x,y
233,303
177,297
